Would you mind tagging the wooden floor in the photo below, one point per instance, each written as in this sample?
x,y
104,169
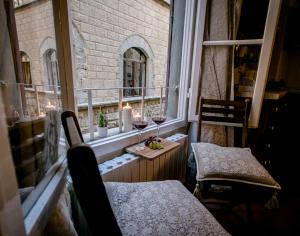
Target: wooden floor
x,y
282,221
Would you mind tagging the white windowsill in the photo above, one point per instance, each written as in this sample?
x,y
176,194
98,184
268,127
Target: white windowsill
x,y
117,142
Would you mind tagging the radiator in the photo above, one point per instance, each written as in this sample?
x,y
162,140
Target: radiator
x,y
132,168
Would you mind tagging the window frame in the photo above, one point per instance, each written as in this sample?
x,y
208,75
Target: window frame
x,y
263,65
52,74
142,75
37,216
26,63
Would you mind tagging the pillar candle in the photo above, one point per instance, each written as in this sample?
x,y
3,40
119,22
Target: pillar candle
x,y
49,107
127,118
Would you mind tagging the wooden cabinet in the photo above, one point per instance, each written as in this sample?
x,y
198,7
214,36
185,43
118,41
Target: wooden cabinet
x,y
266,140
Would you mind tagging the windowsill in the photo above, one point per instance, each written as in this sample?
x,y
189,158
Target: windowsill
x,y
120,141
116,141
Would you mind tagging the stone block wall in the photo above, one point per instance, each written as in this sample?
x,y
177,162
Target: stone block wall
x,y
35,26
105,25
102,31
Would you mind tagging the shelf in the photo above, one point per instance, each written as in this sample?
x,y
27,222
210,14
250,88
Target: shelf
x,y
270,95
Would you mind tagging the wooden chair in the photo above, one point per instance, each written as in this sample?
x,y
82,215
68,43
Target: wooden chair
x,y
112,208
229,175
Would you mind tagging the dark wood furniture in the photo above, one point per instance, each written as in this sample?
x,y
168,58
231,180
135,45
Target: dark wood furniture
x,y
27,145
227,113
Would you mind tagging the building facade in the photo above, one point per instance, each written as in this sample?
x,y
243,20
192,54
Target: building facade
x,y
117,43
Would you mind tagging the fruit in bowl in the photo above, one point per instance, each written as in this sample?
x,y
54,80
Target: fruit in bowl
x,y
153,143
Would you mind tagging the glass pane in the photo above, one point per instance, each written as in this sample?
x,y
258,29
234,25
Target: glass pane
x,y
245,67
229,71
32,104
118,45
104,102
153,103
171,101
235,19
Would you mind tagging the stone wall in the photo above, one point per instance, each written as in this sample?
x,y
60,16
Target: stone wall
x,y
102,30
35,27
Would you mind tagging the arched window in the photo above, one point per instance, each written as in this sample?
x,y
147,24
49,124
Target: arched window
x,y
25,62
52,69
134,72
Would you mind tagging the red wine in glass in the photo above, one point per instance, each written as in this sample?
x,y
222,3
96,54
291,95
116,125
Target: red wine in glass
x,y
158,119
140,124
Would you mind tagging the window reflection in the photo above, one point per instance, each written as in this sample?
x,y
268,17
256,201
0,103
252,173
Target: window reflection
x,y
134,72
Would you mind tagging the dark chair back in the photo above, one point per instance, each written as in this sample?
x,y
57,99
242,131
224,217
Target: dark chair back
x,y
226,113
87,182
27,142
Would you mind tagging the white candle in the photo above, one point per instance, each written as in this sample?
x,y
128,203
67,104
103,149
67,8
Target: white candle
x,y
50,107
137,117
42,114
127,118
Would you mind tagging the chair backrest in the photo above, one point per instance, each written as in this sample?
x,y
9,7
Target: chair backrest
x,y
27,142
71,128
87,182
226,113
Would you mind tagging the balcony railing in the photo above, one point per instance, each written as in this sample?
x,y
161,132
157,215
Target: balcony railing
x,y
35,100
156,94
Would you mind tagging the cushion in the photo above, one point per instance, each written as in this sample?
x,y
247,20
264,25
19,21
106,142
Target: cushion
x,y
160,208
230,163
60,222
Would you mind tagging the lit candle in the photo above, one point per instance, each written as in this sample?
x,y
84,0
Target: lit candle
x,y
49,106
137,116
42,114
127,118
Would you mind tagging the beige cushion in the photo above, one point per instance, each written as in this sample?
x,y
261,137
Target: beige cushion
x,y
160,208
230,163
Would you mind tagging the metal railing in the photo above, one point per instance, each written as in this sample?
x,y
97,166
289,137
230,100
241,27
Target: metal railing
x,y
120,103
54,91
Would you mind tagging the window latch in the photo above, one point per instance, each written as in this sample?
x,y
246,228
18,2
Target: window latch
x,y
188,93
3,83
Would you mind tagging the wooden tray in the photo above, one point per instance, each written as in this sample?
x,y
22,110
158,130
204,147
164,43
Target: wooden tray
x,y
151,153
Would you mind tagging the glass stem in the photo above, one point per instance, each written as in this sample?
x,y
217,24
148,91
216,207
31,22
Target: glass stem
x,y
157,131
140,137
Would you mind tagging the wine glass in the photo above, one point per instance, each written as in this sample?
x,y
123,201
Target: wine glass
x,y
139,123
158,120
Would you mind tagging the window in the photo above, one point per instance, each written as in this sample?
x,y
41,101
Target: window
x,y
101,87
244,39
134,72
120,59
52,69
33,120
26,69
